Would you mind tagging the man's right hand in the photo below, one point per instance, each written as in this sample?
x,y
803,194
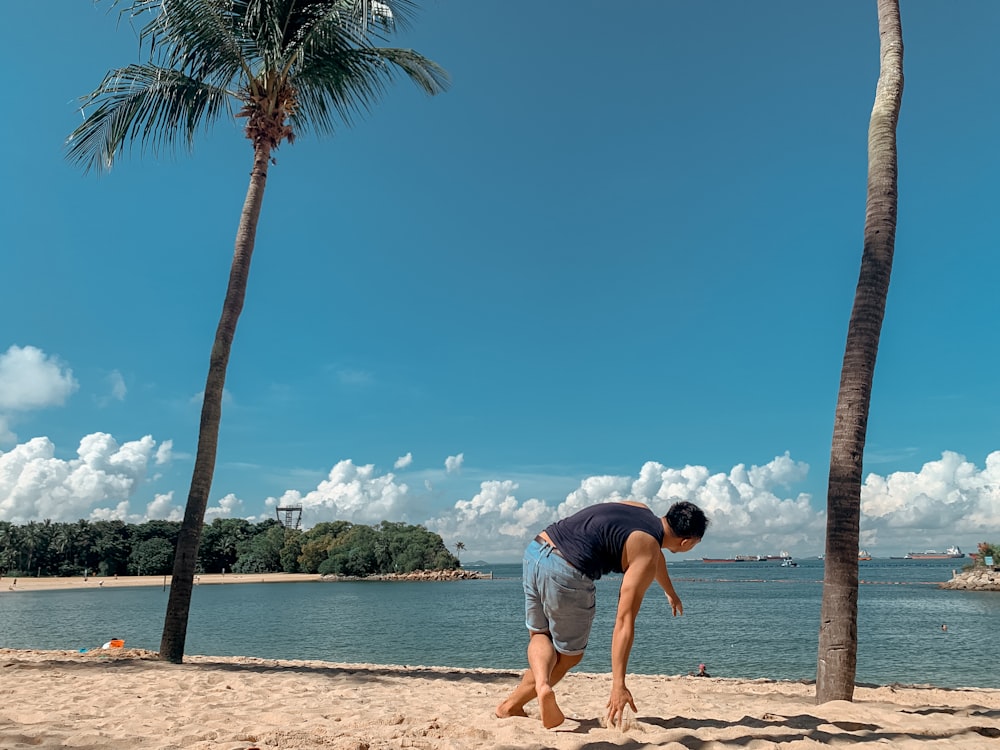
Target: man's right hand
x,y
620,697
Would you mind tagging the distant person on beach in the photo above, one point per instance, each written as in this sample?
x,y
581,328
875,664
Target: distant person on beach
x,y
560,567
702,672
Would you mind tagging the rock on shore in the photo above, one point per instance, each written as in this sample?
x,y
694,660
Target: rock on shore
x,y
979,578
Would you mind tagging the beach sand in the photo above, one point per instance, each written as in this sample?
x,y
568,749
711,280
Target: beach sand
x,y
125,699
7,584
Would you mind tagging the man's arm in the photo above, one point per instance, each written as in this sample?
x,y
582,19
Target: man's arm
x,y
641,552
663,578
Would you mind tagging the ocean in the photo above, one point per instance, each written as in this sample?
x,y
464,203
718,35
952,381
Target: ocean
x,y
745,620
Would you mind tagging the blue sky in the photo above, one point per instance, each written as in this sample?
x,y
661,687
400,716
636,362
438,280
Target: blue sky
x,y
615,260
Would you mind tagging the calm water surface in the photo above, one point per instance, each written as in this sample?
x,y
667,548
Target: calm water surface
x,y
743,620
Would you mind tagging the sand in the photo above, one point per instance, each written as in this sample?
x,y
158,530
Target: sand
x,y
7,584
125,699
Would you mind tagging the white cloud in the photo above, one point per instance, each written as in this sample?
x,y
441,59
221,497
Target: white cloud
x,y
746,515
593,490
946,499
162,507
753,510
403,461
30,379
118,388
494,523
35,485
453,464
229,506
350,493
165,452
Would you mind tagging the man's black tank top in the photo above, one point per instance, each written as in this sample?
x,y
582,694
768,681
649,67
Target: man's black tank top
x,y
592,540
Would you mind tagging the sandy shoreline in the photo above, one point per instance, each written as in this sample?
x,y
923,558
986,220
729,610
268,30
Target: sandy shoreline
x,y
125,699
7,584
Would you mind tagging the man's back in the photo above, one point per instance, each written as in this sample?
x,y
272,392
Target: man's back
x,y
593,539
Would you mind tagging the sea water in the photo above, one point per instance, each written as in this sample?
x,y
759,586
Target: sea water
x,y
746,620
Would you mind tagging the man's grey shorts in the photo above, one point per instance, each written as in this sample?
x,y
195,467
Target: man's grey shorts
x,y
558,599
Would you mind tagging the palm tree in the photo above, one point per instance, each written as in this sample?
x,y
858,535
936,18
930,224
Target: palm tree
x,y
10,542
64,540
30,539
286,66
838,634
459,548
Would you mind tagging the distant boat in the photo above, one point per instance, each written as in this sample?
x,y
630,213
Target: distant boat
x,y
952,553
863,555
789,563
737,559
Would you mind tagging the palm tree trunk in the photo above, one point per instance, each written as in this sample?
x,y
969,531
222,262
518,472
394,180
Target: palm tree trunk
x,y
838,633
186,557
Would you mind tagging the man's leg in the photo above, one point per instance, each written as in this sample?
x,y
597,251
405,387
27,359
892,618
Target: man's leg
x,y
526,691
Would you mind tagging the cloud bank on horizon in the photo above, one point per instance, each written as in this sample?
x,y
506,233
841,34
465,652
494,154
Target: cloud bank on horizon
x,y
753,510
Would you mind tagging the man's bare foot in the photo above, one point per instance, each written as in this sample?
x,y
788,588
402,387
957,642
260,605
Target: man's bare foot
x,y
552,715
505,711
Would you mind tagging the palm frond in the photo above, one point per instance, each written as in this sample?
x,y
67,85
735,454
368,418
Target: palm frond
x,y
425,73
199,37
150,104
336,87
341,85
379,16
311,61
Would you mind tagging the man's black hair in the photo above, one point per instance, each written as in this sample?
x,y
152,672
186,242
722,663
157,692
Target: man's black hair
x,y
687,520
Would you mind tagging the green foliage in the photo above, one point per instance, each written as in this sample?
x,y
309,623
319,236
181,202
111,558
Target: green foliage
x,y
152,557
310,65
290,551
387,548
261,553
985,550
318,542
221,543
106,548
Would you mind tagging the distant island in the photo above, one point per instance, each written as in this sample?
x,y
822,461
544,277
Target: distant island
x,y
228,545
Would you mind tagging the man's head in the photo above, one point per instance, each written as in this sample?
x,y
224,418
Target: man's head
x,y
687,521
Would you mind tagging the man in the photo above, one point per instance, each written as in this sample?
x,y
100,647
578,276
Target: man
x,y
560,567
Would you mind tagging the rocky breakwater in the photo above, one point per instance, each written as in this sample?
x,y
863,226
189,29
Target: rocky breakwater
x,y
416,575
980,578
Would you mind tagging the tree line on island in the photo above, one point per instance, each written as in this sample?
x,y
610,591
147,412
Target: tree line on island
x,y
108,548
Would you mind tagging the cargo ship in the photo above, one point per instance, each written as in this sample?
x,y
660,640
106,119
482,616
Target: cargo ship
x,y
737,559
952,553
783,556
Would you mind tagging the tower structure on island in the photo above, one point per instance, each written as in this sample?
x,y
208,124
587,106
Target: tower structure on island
x,y
290,516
